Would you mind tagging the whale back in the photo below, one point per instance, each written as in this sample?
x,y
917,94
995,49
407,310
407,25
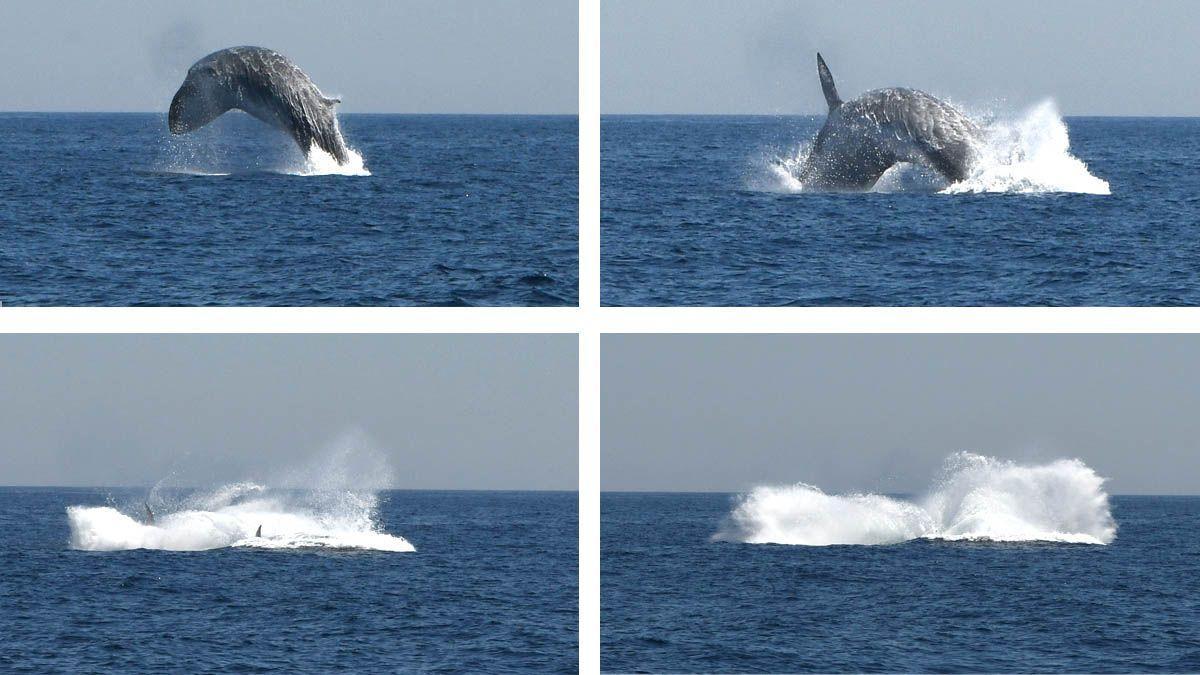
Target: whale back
x,y
863,138
264,84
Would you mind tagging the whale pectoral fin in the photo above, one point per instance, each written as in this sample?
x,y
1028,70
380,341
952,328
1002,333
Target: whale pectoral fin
x,y
827,86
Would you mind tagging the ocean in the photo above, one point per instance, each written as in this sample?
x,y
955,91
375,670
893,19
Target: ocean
x,y
331,585
683,590
109,209
706,211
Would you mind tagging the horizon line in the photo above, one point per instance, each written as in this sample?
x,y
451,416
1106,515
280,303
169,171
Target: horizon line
x,y
164,112
823,114
192,487
743,491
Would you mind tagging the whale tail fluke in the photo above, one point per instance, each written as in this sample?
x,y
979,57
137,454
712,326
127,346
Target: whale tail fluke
x,y
827,85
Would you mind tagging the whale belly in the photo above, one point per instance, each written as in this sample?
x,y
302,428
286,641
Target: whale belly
x,y
266,110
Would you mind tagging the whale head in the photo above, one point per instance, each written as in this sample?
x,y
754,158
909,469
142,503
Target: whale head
x,y
198,101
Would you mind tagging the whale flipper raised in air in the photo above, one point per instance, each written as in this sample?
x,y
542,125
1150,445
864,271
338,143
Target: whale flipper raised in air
x,y
258,532
265,84
149,514
864,137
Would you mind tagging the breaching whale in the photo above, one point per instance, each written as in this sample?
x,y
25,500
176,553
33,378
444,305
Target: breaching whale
x,y
265,84
865,137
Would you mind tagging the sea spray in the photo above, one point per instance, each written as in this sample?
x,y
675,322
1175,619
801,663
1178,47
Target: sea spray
x,y
1028,153
974,498
237,144
330,502
321,163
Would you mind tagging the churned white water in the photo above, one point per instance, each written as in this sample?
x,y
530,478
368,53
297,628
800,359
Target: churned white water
x,y
330,501
320,163
1028,153
975,498
232,514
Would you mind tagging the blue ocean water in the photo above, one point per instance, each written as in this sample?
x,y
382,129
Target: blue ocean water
x,y
109,209
674,600
702,211
492,587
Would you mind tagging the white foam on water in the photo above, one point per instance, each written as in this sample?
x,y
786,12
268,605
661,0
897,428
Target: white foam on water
x,y
778,172
1027,154
331,501
230,517
976,498
320,163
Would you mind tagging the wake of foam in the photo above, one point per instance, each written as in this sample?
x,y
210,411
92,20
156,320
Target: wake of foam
x,y
1029,154
230,516
976,498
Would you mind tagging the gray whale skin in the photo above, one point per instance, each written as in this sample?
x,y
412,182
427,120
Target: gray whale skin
x,y
265,84
865,137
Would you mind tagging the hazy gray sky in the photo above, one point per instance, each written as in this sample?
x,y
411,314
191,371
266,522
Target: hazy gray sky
x,y
470,411
1098,57
440,56
881,412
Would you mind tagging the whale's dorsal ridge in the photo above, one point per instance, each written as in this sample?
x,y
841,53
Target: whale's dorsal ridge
x,y
827,85
265,84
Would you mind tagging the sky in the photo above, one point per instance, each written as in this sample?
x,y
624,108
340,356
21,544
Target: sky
x,y
1093,57
880,413
398,56
444,411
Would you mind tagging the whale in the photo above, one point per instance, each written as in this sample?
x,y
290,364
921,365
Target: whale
x,y
264,84
864,137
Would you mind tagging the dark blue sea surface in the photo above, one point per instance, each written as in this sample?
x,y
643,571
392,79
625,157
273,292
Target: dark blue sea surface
x,y
109,209
674,601
492,587
693,213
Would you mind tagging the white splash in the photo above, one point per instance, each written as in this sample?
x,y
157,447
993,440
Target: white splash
x,y
232,514
320,163
976,498
1030,154
331,501
1027,154
778,172
235,144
